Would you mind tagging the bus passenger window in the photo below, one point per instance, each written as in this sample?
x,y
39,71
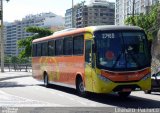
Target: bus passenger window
x,y
34,50
88,51
45,49
51,48
78,45
68,46
39,49
59,47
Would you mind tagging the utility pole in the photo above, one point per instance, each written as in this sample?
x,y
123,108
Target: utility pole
x,y
1,38
2,41
133,7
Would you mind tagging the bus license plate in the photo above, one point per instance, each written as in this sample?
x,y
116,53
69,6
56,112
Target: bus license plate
x,y
127,90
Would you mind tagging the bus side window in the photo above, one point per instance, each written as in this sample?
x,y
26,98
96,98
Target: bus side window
x,y
45,49
78,45
88,51
59,47
51,48
68,46
34,50
39,49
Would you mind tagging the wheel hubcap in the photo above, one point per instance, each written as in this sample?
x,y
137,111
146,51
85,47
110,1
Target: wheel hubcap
x,y
45,81
81,87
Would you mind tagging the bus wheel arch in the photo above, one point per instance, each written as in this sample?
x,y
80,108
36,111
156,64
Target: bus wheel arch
x,y
46,79
80,87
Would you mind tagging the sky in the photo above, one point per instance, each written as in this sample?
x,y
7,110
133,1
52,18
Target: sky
x,y
18,9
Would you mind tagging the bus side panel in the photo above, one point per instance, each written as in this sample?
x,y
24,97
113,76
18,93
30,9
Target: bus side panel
x,y
88,78
36,68
59,69
69,66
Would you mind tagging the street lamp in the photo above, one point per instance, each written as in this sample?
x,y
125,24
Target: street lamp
x,y
1,39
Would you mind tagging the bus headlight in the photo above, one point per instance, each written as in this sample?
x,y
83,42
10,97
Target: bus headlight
x,y
147,76
103,78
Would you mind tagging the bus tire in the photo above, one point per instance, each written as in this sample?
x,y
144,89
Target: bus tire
x,y
124,94
46,82
80,87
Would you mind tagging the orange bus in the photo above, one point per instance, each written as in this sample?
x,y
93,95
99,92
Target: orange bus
x,y
99,59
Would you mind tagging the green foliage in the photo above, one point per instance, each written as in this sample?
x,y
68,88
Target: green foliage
x,y
7,60
15,60
26,43
146,21
41,31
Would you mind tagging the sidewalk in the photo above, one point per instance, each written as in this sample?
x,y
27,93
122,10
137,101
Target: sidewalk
x,y
14,74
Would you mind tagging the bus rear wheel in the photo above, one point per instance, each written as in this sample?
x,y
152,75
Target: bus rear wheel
x,y
80,87
46,83
124,94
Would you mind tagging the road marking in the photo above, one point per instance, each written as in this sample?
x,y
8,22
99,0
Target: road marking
x,y
12,100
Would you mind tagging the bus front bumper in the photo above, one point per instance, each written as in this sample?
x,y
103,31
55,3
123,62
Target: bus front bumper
x,y
101,86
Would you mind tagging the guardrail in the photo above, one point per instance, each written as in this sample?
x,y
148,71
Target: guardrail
x,y
18,67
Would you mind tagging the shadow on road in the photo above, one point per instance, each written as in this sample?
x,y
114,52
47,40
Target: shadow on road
x,y
12,85
12,77
130,102
115,100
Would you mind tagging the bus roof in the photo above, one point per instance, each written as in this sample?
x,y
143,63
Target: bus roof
x,y
115,27
90,29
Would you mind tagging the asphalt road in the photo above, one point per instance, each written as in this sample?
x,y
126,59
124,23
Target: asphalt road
x,y
27,92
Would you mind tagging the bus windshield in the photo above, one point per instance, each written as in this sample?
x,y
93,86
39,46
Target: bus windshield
x,y
122,50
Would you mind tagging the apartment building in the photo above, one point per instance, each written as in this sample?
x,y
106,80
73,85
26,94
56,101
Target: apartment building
x,y
68,18
124,9
98,12
16,30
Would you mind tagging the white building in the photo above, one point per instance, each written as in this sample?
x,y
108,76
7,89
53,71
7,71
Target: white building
x,y
68,18
16,30
97,12
102,3
124,8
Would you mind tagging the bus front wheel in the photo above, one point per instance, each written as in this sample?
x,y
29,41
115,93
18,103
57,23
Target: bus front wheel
x,y
124,94
80,87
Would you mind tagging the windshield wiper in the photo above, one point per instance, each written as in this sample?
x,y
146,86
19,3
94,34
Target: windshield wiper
x,y
117,60
134,59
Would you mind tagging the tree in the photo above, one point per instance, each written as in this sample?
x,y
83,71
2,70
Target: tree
x,y
146,21
14,60
26,43
7,59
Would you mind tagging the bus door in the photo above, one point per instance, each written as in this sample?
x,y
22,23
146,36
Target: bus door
x,y
89,65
